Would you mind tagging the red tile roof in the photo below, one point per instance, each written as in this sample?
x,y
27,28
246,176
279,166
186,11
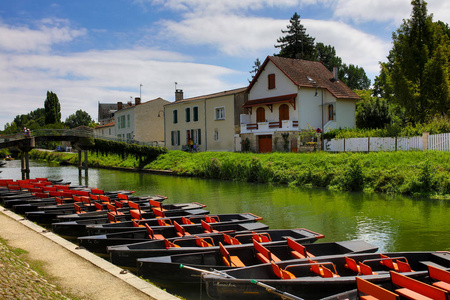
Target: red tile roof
x,y
305,73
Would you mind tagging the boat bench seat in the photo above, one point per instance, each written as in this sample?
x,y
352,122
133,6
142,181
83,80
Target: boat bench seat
x,y
229,260
263,254
414,289
297,250
441,276
372,291
442,285
410,294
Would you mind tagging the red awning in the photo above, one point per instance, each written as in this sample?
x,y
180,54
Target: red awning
x,y
270,101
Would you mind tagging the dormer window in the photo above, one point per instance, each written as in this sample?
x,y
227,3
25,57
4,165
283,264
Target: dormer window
x,y
271,81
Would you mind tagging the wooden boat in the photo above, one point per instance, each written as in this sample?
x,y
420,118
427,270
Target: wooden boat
x,y
110,225
126,255
165,270
99,243
319,277
48,217
2,163
435,286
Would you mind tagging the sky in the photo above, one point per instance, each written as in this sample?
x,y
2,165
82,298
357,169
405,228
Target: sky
x,y
91,51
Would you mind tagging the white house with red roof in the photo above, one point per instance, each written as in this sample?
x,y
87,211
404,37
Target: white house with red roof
x,y
288,96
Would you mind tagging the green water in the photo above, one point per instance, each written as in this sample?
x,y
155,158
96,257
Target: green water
x,y
393,223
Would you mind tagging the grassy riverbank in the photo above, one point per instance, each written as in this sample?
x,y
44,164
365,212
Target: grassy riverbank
x,y
410,173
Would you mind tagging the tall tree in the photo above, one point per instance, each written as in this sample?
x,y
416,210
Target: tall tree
x,y
296,43
354,77
52,109
255,68
327,55
416,76
79,118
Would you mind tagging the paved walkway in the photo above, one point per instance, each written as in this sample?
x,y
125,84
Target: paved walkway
x,y
79,273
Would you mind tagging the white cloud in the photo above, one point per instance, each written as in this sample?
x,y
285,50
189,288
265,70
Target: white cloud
x,y
352,45
393,11
208,7
82,79
231,34
48,33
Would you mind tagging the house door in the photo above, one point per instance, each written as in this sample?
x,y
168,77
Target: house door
x,y
265,143
284,112
260,115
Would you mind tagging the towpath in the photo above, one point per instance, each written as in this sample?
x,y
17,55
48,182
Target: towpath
x,y
71,273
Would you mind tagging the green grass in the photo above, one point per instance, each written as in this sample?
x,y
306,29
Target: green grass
x,y
411,173
416,173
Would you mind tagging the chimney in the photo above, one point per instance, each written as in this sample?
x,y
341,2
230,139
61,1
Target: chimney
x,y
130,103
137,101
119,105
335,73
178,95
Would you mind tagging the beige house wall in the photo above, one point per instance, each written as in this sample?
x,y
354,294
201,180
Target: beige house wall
x,y
149,121
182,126
220,132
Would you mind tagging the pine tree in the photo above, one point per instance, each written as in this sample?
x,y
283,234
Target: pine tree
x,y
296,43
52,109
255,68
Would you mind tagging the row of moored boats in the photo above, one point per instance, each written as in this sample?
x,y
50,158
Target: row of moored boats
x,y
231,255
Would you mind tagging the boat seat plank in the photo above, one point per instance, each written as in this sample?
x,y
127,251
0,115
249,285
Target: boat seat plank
x,y
442,285
430,263
263,254
373,292
414,289
230,260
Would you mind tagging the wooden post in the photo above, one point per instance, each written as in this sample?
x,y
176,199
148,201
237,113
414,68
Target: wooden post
x,y
80,164
27,165
368,144
86,163
22,165
425,141
395,143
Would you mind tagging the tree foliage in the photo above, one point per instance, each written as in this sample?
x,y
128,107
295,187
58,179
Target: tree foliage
x,y
79,118
33,120
52,109
373,114
416,75
255,68
297,44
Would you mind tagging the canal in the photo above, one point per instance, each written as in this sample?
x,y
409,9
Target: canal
x,y
393,223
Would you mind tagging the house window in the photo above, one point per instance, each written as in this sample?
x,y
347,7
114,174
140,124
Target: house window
x,y
271,81
330,112
175,116
109,131
122,122
195,113
220,113
188,115
260,114
128,121
175,137
216,134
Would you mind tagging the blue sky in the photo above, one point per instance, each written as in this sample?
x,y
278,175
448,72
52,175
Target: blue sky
x,y
90,51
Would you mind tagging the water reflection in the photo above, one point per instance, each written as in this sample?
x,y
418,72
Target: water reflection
x,y
393,223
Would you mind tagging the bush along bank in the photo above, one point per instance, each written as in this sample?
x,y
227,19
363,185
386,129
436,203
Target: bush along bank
x,y
422,174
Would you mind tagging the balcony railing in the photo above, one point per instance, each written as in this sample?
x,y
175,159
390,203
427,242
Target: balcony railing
x,y
261,127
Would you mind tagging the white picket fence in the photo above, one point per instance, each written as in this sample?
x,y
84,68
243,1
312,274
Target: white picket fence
x,y
440,142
